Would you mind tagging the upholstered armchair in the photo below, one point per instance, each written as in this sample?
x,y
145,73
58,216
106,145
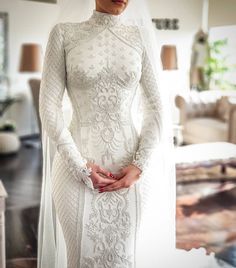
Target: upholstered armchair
x,y
208,116
34,84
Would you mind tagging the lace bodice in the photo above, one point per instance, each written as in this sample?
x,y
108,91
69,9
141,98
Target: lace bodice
x,y
101,62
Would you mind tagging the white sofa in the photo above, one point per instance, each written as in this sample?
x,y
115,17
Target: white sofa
x,y
208,116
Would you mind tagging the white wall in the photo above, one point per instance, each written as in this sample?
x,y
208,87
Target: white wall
x,y
222,12
189,14
28,22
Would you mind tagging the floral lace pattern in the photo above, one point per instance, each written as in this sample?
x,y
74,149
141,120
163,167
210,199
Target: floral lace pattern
x,y
109,236
101,62
151,100
107,94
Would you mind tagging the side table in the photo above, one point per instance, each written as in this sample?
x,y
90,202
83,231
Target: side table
x,y
3,196
178,137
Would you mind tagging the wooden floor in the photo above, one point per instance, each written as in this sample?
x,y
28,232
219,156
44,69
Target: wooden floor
x,y
21,176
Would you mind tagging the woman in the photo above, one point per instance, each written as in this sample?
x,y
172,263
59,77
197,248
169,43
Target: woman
x,y
101,69
97,179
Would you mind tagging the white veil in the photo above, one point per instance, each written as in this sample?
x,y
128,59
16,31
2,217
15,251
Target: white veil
x,y
156,245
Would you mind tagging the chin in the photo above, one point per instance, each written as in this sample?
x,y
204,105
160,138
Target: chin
x,y
116,11
119,5
114,7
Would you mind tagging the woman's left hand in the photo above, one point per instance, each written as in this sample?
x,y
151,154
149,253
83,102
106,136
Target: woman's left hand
x,y
126,177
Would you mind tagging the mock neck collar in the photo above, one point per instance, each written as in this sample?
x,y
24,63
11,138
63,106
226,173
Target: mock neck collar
x,y
106,19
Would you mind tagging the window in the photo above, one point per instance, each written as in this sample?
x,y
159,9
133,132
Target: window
x,y
3,43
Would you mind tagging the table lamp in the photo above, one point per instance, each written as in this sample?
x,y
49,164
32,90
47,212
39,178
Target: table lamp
x,y
169,63
30,60
169,57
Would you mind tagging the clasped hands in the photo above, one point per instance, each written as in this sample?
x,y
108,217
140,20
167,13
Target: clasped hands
x,y
105,181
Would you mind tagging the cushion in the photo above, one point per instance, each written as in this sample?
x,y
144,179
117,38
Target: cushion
x,y
201,109
207,129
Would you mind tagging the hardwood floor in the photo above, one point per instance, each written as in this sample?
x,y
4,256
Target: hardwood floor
x,y
21,176
22,263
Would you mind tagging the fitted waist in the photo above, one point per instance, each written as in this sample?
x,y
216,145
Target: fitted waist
x,y
106,144
79,128
111,119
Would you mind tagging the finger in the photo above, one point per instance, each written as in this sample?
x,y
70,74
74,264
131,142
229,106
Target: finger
x,y
104,176
102,185
118,176
113,176
119,183
106,180
97,178
104,171
101,181
112,186
113,189
98,185
110,175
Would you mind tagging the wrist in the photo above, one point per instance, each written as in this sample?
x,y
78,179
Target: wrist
x,y
86,173
138,167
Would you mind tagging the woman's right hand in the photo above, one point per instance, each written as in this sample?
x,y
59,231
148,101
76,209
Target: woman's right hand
x,y
100,176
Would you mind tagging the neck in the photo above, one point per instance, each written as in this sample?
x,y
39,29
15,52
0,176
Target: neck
x,y
104,18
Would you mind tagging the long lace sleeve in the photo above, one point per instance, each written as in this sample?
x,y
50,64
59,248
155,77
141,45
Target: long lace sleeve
x,y
52,88
152,114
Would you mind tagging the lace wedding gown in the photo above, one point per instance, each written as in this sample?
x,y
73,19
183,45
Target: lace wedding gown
x,y
101,63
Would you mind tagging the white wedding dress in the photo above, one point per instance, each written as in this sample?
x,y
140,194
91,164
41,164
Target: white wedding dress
x,y
100,62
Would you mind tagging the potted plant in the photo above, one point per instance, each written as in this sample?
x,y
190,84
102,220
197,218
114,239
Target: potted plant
x,y
216,66
8,126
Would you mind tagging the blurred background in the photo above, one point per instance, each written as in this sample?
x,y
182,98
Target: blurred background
x,y
197,48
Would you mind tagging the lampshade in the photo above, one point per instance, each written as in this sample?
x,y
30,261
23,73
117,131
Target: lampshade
x,y
30,60
169,57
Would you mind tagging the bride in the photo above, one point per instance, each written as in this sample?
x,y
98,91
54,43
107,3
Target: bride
x,y
108,185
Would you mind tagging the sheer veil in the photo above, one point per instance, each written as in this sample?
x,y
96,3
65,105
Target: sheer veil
x,y
156,245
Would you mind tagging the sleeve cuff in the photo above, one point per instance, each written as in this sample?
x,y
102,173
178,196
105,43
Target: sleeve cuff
x,y
137,164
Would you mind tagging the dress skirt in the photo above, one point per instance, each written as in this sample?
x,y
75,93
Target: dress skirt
x,y
100,229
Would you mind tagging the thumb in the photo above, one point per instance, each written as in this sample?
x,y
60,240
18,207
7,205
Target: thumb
x,y
104,171
120,174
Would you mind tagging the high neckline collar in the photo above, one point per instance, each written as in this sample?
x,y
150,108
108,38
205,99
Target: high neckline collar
x,y
106,19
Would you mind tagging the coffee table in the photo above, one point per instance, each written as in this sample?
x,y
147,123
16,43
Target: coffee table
x,y
206,196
